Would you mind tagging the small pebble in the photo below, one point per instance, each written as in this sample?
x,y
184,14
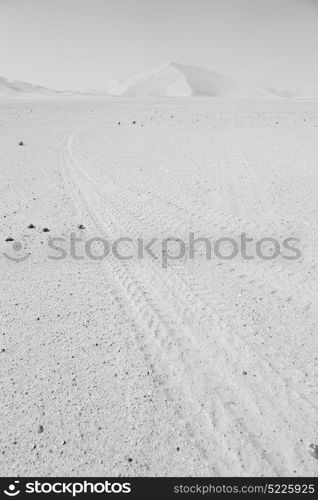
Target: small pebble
x,y
45,230
40,429
315,450
10,239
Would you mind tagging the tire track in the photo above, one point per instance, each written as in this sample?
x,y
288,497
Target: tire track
x,y
185,342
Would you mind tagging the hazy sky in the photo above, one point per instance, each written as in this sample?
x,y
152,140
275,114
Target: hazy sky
x,y
82,43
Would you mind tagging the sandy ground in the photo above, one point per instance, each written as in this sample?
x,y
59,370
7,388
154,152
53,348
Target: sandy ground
x,y
125,367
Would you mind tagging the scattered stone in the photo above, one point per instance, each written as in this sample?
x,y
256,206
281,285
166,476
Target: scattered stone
x,y
40,429
314,453
9,239
178,449
31,226
21,143
118,123
45,230
244,372
81,226
130,460
134,123
3,350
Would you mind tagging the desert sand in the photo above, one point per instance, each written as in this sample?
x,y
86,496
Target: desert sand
x,y
125,367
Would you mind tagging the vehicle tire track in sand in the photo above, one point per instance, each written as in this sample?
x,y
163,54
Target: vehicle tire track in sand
x,y
273,275
277,275
153,327
185,343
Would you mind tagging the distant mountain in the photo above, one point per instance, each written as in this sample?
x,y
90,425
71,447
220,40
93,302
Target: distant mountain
x,y
282,93
22,89
308,92
170,80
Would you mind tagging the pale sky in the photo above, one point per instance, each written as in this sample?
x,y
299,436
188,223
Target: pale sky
x,y
82,43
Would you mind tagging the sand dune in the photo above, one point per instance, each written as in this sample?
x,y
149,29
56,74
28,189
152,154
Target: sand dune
x,y
181,80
